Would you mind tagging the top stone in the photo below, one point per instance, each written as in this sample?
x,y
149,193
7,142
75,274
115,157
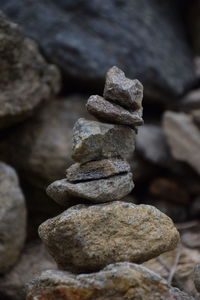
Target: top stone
x,y
123,91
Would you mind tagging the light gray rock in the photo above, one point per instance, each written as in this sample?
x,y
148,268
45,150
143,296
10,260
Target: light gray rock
x,y
95,140
120,281
97,191
26,78
197,277
12,218
97,169
124,91
183,138
87,238
33,260
113,113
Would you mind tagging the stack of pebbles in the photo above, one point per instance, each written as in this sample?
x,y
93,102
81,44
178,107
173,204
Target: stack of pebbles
x,y
86,238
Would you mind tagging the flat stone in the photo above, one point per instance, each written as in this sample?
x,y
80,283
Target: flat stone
x,y
113,113
12,218
34,259
97,191
26,78
124,91
183,137
87,238
97,169
95,140
197,277
120,281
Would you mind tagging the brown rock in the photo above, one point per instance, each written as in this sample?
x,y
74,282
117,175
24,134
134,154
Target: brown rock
x,y
26,78
113,113
96,169
87,238
97,191
95,140
123,91
119,281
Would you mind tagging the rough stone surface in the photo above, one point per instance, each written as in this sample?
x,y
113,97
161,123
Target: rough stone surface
x,y
95,140
120,33
26,78
197,277
113,113
190,101
12,218
119,281
33,260
97,169
41,148
97,191
87,238
183,138
124,91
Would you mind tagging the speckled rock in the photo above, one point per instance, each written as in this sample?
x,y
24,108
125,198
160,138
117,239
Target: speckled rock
x,y
26,78
113,113
34,259
119,281
183,137
197,277
96,169
96,191
95,140
12,218
87,238
124,91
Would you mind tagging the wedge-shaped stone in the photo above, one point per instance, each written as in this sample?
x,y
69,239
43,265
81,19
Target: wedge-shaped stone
x,y
87,238
95,140
97,169
97,191
120,281
110,112
122,90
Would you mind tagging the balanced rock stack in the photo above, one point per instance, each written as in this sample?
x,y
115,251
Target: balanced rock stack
x,y
86,238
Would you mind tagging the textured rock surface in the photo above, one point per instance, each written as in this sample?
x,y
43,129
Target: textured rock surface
x,y
95,140
119,281
118,32
42,152
34,260
26,78
124,91
12,217
113,113
97,191
87,238
183,138
96,169
197,277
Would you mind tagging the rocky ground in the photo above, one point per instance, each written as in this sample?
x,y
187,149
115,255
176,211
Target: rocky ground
x,y
50,65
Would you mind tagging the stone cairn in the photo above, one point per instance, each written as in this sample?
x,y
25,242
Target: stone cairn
x,y
86,238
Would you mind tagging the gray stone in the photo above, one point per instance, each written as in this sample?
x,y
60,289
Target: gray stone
x,y
183,138
95,140
143,42
42,152
97,169
87,238
197,277
120,281
12,218
190,101
124,91
97,191
113,113
26,78
33,260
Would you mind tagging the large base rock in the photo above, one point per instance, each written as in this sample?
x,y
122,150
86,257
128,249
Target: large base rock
x,y
87,238
120,281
